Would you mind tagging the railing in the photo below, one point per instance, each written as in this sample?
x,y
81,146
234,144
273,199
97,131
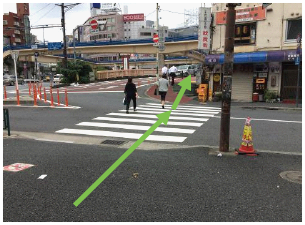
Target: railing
x,y
109,74
6,122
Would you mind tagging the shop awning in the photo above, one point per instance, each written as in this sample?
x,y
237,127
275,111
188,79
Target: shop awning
x,y
257,57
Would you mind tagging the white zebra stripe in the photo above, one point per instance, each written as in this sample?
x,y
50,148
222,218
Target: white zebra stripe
x,y
176,113
177,110
122,135
189,106
182,108
136,127
170,123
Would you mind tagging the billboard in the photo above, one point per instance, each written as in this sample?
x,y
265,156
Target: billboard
x,y
204,36
243,15
133,17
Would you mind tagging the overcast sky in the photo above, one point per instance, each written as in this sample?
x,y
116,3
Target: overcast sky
x,y
49,13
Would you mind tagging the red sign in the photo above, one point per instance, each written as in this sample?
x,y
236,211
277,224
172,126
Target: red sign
x,y
243,15
156,38
133,17
94,24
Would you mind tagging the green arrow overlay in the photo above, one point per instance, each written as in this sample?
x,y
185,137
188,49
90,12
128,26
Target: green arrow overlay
x,y
185,84
163,118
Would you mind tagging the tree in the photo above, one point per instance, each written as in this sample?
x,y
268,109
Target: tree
x,y
70,73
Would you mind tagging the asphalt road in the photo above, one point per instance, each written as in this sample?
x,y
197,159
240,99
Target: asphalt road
x,y
278,136
172,185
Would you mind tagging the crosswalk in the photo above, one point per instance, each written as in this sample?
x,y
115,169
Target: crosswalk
x,y
182,123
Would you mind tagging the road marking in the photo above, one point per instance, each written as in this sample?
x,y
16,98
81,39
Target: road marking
x,y
170,123
188,106
49,140
269,120
42,176
189,115
185,109
179,110
122,135
109,87
153,116
136,127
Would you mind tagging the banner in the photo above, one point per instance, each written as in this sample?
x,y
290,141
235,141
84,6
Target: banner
x,y
204,36
243,15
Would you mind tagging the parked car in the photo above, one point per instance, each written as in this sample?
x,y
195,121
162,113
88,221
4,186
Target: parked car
x,y
11,79
186,69
57,78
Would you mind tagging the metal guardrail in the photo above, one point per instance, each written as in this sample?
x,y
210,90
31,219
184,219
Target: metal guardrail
x,y
6,121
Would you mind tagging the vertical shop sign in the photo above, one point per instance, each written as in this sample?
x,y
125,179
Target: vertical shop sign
x,y
204,28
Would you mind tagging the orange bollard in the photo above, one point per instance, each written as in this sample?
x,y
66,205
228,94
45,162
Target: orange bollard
x,y
52,105
35,95
17,94
45,94
58,103
66,97
5,95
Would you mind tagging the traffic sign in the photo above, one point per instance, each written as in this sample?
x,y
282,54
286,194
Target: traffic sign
x,y
36,54
94,24
54,45
15,55
156,38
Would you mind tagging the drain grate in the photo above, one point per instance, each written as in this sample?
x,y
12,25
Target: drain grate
x,y
113,142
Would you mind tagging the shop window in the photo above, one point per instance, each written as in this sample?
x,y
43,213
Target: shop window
x,y
294,27
245,33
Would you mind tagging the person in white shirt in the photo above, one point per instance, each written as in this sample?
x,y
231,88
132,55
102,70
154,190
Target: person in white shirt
x,y
172,73
164,70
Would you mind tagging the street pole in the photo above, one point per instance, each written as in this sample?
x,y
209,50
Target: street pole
x,y
157,28
74,44
299,38
227,78
15,57
64,34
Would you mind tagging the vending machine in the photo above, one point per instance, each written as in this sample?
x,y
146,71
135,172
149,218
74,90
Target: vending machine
x,y
260,78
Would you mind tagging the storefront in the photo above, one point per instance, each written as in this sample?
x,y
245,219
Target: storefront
x,y
257,72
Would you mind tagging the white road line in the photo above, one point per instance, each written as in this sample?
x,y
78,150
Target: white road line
x,y
122,135
189,106
190,116
136,127
109,87
170,123
269,120
42,176
49,140
183,108
178,110
153,116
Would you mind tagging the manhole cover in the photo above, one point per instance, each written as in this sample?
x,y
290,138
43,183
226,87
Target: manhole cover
x,y
113,142
292,176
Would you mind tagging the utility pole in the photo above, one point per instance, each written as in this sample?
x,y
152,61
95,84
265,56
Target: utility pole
x,y
157,28
64,34
227,78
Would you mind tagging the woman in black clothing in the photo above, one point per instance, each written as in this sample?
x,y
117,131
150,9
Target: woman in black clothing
x,y
130,93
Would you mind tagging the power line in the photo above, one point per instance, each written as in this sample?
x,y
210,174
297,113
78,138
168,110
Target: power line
x,y
44,15
186,14
41,9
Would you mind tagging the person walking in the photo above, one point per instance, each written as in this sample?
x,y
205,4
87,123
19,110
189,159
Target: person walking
x,y
163,88
164,70
172,72
130,93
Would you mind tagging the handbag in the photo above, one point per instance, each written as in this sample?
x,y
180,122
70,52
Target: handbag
x,y
124,101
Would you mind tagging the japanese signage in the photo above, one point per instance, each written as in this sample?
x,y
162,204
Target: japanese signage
x,y
133,17
243,15
204,28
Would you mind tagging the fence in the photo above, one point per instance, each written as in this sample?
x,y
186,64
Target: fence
x,y
6,121
109,74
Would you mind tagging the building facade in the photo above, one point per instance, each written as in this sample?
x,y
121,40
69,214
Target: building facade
x,y
16,26
265,51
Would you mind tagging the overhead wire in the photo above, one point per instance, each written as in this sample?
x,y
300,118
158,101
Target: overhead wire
x,y
44,15
40,9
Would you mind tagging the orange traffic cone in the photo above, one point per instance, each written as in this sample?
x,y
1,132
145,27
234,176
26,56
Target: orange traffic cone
x,y
246,146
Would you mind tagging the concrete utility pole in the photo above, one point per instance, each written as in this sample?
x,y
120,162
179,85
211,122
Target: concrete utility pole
x,y
157,28
227,78
64,34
